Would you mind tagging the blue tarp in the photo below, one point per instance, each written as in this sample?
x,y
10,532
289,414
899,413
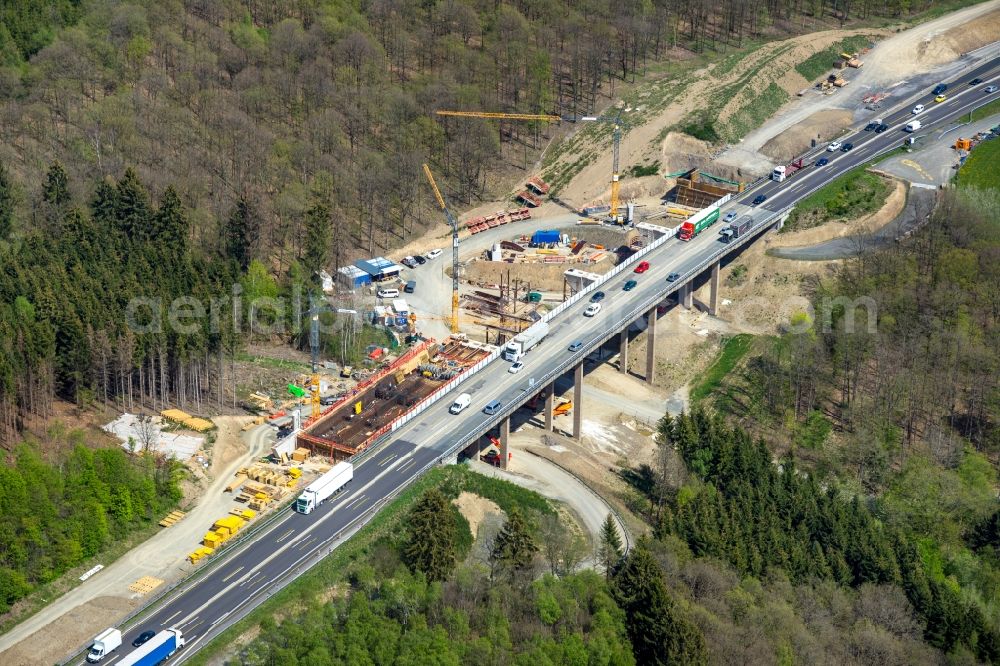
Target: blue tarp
x,y
545,236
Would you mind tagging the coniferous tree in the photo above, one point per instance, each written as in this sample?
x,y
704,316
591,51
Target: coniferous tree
x,y
132,209
242,233
658,631
55,191
317,242
170,228
609,548
6,203
514,547
430,539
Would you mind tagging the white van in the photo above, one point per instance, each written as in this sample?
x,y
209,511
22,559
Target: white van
x,y
461,402
912,126
388,293
434,254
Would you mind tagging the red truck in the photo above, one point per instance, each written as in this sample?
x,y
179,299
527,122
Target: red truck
x,y
690,229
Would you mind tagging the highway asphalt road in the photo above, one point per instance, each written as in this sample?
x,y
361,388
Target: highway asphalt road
x,y
247,575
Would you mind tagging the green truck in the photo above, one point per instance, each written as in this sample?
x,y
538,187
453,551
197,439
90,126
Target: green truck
x,y
690,229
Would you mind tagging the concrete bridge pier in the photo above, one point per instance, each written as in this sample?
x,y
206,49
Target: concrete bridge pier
x,y
504,438
550,400
651,345
578,402
686,297
623,352
713,301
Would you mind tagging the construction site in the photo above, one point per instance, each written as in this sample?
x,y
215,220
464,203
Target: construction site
x,y
355,421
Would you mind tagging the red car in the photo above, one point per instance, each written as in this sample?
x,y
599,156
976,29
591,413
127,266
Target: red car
x,y
642,267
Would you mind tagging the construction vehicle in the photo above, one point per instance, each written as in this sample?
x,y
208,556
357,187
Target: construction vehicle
x,y
454,247
780,173
158,648
324,487
851,60
963,144
691,229
105,643
525,340
563,408
616,137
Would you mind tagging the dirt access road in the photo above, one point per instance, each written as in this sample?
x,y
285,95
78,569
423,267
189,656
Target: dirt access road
x,y
104,599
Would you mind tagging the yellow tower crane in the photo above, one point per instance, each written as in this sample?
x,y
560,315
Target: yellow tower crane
x,y
616,136
454,248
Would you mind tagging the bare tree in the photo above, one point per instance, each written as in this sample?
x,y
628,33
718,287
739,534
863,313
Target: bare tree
x,y
147,432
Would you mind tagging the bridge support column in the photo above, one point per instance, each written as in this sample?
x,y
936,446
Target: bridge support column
x,y
651,346
550,400
504,437
578,402
687,296
623,352
713,301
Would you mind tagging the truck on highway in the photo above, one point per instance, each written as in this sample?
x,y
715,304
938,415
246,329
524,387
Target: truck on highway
x,y
736,229
780,172
691,229
912,126
161,646
105,643
525,340
324,487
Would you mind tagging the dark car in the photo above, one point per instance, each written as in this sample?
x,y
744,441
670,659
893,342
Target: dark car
x,y
847,147
630,285
759,199
870,126
420,259
576,346
673,277
327,400
975,82
881,128
822,162
142,638
939,88
597,297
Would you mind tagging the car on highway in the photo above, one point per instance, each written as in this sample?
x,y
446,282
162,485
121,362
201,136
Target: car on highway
x,y
990,89
592,310
833,147
917,109
575,346
881,128
847,147
597,297
673,277
642,267
434,254
873,125
515,367
940,98
731,215
939,88
630,285
759,199
142,638
975,82
822,162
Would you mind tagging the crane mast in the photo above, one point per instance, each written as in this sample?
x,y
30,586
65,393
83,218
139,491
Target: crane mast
x,y
454,246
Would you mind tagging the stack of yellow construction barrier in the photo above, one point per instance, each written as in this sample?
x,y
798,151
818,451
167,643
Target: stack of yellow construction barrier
x,y
202,552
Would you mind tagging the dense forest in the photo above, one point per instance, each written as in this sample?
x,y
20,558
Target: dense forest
x,y
54,515
270,101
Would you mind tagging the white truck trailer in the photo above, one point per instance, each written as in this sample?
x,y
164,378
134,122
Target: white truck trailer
x,y
324,487
525,340
105,643
158,648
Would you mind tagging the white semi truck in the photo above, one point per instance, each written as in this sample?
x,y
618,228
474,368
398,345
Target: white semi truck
x,y
525,340
324,487
105,643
